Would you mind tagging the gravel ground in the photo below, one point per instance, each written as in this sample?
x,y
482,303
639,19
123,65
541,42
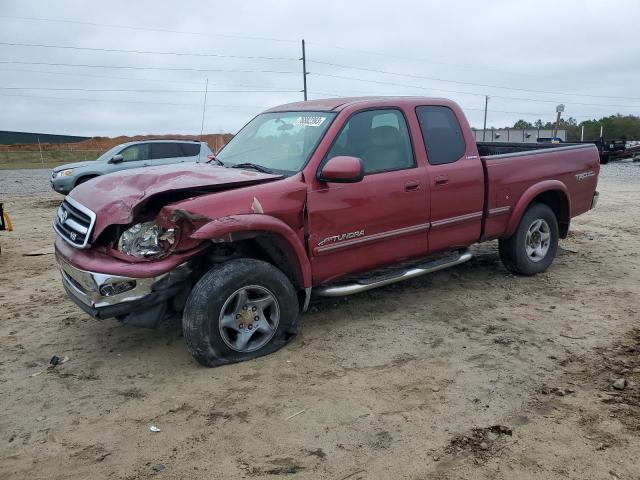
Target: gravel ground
x,y
25,182
622,170
466,373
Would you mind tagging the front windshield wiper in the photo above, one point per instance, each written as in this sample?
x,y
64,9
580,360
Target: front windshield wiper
x,y
259,168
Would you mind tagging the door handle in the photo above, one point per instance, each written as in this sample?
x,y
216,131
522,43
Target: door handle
x,y
441,179
412,186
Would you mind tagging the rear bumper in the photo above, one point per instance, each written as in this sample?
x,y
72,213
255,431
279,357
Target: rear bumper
x,y
594,200
105,295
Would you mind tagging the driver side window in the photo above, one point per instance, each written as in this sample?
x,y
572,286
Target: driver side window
x,y
379,137
135,153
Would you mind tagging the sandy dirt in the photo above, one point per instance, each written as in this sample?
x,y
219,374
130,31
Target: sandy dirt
x,y
467,373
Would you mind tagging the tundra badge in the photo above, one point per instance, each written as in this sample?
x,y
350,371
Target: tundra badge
x,y
342,236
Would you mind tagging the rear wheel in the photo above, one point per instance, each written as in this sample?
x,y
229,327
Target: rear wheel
x,y
533,246
240,310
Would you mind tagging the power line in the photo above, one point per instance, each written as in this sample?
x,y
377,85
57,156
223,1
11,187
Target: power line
x,y
146,52
161,80
394,84
465,108
424,60
409,75
570,102
526,113
344,77
134,90
76,74
245,37
131,67
148,29
257,38
225,105
102,100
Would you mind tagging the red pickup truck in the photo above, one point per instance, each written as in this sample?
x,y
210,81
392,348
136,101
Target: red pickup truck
x,y
326,197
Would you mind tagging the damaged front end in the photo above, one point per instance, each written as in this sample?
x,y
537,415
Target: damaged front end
x,y
140,273
127,247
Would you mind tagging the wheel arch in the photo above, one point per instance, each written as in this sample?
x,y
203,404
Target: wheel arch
x,y
84,177
552,193
265,238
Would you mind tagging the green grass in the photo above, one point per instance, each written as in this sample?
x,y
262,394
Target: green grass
x,y
49,159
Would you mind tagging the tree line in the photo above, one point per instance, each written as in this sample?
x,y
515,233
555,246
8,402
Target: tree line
x,y
614,126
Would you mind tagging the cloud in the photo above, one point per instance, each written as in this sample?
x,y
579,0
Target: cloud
x,y
462,50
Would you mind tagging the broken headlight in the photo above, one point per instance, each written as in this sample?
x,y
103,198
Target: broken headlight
x,y
146,240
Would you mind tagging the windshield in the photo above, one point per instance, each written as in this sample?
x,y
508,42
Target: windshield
x,y
280,141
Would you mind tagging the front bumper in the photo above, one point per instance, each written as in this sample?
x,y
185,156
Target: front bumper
x,y
99,294
63,184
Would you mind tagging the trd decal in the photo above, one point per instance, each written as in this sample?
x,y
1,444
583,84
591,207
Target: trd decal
x,y
583,175
342,236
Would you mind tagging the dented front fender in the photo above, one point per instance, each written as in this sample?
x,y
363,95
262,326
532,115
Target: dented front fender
x,y
234,227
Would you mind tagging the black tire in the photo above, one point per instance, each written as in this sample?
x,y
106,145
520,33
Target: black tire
x,y
202,314
513,252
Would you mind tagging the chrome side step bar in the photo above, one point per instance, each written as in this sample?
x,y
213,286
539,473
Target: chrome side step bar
x,y
341,290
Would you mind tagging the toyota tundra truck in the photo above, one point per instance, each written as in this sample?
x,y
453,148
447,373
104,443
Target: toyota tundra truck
x,y
320,198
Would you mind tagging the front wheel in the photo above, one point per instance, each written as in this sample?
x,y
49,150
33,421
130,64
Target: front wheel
x,y
533,246
239,310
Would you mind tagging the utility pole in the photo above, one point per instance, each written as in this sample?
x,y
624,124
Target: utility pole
x,y
304,71
582,134
486,104
204,107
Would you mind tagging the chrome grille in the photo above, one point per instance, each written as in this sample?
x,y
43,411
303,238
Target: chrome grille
x,y
74,223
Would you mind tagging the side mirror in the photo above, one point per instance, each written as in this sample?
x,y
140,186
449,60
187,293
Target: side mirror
x,y
116,158
342,169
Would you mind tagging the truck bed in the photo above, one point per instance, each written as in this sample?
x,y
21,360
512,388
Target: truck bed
x,y
511,180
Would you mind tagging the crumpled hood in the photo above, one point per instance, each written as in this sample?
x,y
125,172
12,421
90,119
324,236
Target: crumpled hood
x,y
114,198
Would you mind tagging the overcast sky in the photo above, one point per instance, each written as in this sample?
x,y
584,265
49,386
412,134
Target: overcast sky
x,y
581,53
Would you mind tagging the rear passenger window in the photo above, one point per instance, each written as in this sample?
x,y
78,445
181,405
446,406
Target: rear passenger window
x,y
441,133
189,149
164,150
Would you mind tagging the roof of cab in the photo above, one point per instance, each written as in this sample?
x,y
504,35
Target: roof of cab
x,y
337,104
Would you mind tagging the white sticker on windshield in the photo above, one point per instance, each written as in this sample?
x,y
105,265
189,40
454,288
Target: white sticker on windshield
x,y
309,121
